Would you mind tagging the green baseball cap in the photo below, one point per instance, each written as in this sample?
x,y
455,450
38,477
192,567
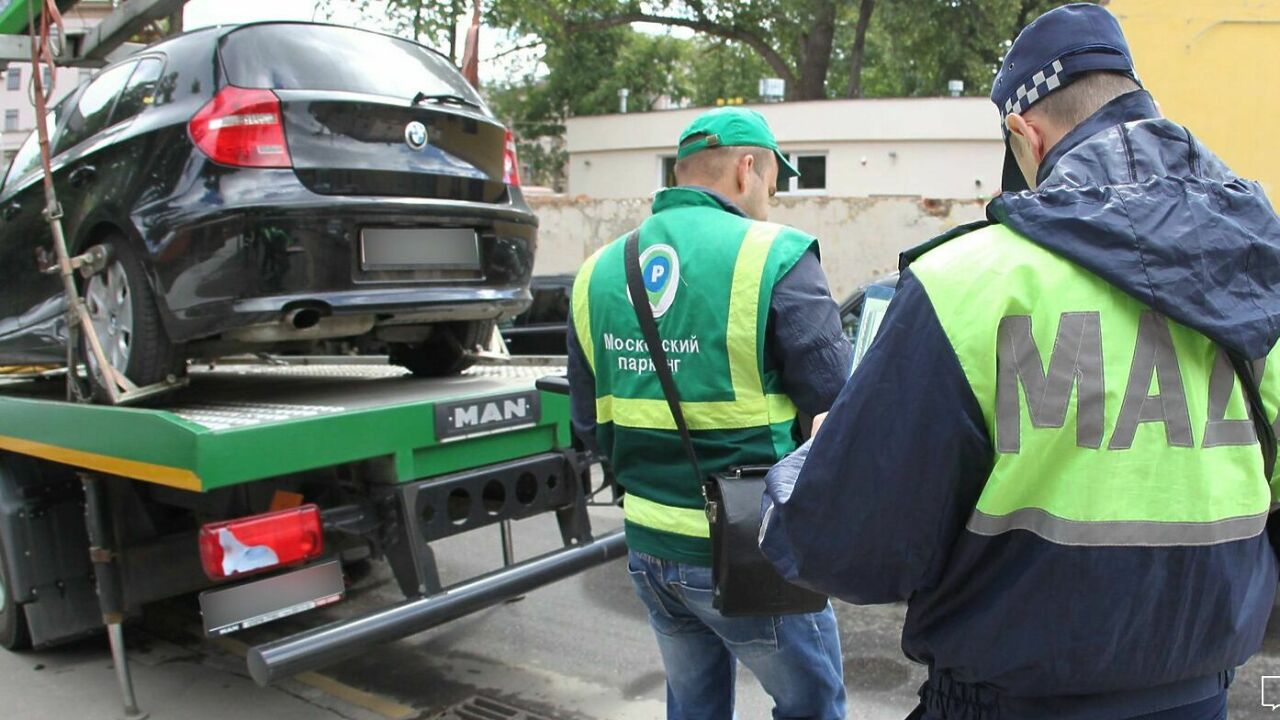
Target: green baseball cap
x,y
729,126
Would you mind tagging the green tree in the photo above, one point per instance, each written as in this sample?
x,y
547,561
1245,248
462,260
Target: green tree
x,y
915,46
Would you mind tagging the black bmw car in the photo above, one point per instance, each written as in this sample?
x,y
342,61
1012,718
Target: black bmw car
x,y
263,187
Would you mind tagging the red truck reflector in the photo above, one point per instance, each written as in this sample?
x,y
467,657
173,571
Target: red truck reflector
x,y
261,542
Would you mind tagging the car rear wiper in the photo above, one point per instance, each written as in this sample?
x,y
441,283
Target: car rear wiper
x,y
444,98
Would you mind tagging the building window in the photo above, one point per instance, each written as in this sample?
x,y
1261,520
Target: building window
x,y
14,79
10,120
667,170
813,174
46,77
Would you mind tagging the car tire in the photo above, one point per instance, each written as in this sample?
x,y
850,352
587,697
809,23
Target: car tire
x,y
448,351
14,634
124,311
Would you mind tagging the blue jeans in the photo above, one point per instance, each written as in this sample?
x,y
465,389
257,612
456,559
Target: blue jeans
x,y
796,658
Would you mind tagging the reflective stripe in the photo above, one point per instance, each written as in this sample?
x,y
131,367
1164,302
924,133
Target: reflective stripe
x,y
744,311
582,309
667,518
1143,533
722,415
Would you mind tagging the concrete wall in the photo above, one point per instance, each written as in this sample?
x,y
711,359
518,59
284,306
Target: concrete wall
x,y
933,147
930,168
860,237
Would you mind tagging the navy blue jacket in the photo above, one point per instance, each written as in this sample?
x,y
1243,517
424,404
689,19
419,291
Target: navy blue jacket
x,y
874,509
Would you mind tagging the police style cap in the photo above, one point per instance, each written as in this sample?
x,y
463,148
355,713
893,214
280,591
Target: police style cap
x,y
1054,50
730,126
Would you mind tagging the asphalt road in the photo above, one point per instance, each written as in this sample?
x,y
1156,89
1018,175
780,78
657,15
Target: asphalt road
x,y
577,650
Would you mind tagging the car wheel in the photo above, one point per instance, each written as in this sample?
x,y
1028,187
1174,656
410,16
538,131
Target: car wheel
x,y
448,351
14,634
123,310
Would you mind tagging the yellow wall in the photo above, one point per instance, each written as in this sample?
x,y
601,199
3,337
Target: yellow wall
x,y
1214,66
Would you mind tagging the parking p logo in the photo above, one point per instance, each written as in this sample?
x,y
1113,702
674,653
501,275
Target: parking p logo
x,y
660,267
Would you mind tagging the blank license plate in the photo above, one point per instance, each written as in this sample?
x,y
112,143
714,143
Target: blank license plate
x,y
239,607
417,248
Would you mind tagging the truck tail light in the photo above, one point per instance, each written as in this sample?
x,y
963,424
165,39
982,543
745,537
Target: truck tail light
x,y
510,163
261,542
243,128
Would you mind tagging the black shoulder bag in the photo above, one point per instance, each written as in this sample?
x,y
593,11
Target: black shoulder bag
x,y
745,582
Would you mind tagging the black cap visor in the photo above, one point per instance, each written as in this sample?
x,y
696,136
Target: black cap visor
x,y
1013,179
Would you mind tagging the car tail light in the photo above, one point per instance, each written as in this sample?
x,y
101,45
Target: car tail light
x,y
242,127
510,164
260,542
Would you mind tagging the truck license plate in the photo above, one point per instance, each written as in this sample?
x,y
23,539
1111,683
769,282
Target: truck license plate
x,y
242,606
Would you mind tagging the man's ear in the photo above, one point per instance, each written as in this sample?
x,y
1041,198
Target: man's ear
x,y
746,166
1031,133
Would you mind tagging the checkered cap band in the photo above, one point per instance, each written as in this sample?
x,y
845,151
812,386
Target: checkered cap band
x,y
1040,84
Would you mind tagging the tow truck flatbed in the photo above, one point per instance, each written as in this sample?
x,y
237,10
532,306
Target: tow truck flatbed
x,y
238,423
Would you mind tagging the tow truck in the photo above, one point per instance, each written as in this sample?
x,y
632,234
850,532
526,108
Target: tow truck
x,y
253,482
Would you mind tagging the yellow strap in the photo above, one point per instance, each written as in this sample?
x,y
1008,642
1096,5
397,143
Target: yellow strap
x,y
667,518
582,308
722,415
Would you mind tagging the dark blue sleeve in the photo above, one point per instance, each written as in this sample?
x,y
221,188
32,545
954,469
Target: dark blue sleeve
x,y
805,340
869,509
582,390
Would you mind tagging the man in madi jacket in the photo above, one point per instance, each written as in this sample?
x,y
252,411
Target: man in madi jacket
x,y
1047,452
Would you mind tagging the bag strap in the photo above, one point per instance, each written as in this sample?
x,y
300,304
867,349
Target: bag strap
x,y
649,329
1266,433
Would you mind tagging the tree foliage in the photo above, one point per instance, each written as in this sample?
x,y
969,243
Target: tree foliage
x,y
715,49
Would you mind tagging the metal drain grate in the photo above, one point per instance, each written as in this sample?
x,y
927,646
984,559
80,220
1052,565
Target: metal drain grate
x,y
486,708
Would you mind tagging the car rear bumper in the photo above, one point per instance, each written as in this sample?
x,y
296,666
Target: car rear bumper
x,y
235,260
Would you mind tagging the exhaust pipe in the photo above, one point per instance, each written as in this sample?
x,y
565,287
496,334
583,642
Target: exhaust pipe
x,y
303,318
330,643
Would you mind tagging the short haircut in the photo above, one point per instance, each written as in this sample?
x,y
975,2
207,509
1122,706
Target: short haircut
x,y
1071,105
712,163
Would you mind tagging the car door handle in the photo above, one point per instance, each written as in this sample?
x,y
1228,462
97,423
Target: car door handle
x,y
82,176
10,211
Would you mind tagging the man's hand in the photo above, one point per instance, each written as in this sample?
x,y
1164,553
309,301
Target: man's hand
x,y
817,423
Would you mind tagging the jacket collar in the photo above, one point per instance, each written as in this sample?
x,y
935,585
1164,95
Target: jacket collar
x,y
1136,105
693,196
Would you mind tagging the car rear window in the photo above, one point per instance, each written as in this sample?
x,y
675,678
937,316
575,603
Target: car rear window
x,y
318,57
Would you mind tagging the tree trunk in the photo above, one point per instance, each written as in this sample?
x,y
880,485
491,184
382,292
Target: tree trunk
x,y
859,48
815,55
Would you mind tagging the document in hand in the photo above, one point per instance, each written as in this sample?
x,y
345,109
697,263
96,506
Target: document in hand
x,y
874,307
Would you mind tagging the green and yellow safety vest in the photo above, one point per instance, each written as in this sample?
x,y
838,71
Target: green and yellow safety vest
x,y
1111,424
710,276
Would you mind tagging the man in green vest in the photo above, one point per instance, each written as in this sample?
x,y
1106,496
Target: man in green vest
x,y
1052,449
751,335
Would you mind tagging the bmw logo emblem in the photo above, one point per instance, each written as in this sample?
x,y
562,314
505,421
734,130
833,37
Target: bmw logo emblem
x,y
415,134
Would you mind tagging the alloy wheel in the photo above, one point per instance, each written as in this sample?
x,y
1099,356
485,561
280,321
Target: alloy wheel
x,y
109,300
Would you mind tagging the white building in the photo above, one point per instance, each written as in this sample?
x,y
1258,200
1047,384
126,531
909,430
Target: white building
x,y
930,147
15,87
